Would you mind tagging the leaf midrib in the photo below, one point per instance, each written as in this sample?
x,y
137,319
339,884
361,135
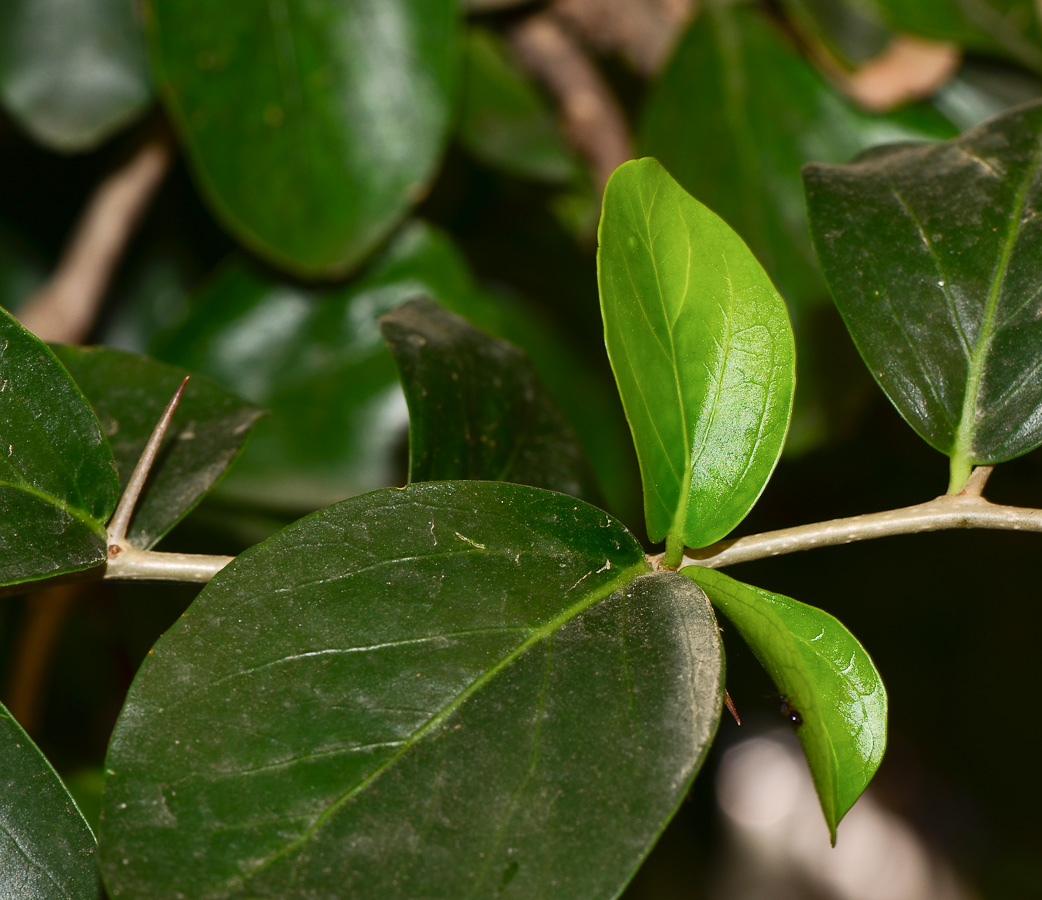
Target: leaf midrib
x,y
626,576
80,515
967,429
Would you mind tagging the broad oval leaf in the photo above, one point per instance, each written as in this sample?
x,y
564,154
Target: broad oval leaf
x,y
824,674
72,71
702,351
46,848
932,256
477,409
58,483
312,127
454,689
129,393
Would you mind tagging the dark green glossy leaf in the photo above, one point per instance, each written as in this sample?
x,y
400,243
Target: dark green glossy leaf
x,y
317,360
312,127
72,71
57,479
737,112
128,394
46,849
932,255
455,689
702,352
1010,27
824,674
477,410
504,121
847,29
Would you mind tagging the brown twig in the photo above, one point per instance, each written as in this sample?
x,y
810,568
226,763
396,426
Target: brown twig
x,y
643,32
910,68
592,120
65,309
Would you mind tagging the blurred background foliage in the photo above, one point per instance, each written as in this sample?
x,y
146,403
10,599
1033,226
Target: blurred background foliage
x,y
314,165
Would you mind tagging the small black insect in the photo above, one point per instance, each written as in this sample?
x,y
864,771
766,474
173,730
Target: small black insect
x,y
789,711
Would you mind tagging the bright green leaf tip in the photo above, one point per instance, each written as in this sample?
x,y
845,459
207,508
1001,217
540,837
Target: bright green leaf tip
x,y
703,355
824,673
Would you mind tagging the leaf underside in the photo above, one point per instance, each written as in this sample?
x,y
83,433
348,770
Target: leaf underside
x,y
825,675
466,689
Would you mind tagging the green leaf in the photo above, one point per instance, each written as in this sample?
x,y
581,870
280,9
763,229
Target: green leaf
x,y
72,72
733,117
317,360
504,121
824,674
1009,27
46,849
129,393
455,689
57,480
312,127
702,352
477,410
931,252
849,31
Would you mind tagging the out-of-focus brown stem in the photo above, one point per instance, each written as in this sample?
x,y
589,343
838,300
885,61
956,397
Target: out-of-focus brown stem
x,y
592,120
643,32
65,309
45,617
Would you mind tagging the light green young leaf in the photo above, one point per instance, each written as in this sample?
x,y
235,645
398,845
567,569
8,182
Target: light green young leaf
x,y
702,351
825,675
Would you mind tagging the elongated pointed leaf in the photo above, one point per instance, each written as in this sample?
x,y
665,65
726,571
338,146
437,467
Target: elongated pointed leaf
x,y
312,127
46,848
57,480
932,255
72,71
129,393
455,689
702,352
824,674
477,410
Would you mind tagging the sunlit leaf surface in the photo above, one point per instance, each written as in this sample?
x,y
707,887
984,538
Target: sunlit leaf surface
x,y
702,351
